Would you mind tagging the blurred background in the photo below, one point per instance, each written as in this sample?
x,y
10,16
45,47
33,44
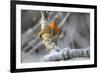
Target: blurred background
x,y
76,28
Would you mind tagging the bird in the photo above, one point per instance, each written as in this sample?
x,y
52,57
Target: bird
x,y
50,31
49,34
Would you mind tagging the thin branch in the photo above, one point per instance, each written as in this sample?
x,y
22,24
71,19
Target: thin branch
x,y
65,18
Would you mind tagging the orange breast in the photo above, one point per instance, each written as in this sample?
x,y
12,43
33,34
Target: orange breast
x,y
53,25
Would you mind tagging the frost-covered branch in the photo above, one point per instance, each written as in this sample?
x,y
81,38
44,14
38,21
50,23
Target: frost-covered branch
x,y
65,18
67,54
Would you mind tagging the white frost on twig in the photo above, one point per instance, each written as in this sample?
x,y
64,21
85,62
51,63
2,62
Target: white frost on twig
x,y
66,54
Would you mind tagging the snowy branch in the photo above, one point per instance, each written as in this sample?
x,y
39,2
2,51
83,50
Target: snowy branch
x,y
67,54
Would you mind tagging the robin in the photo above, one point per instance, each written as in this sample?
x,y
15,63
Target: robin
x,y
49,34
50,31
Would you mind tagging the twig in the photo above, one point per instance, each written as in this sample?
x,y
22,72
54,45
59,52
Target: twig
x,y
65,18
